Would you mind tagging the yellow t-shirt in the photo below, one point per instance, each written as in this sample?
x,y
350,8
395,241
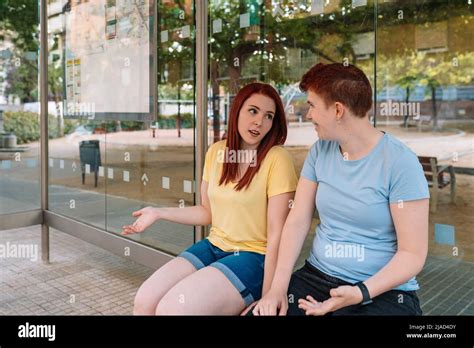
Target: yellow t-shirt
x,y
239,218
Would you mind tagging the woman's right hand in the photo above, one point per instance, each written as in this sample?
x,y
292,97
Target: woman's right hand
x,y
273,303
146,217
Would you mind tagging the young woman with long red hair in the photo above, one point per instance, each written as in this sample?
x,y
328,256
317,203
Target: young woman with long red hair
x,y
248,182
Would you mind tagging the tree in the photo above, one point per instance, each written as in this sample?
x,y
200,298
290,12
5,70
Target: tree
x,y
19,20
55,83
443,71
22,81
260,51
19,25
407,82
176,55
426,69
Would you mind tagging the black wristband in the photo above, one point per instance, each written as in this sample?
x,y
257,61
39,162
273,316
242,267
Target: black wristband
x,y
365,293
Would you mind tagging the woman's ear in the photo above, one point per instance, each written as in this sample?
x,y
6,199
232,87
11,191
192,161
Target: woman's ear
x,y
340,110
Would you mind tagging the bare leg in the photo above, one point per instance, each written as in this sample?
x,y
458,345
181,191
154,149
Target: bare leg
x,y
205,292
155,287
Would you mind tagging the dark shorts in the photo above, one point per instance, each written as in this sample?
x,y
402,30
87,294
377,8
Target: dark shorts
x,y
244,269
308,280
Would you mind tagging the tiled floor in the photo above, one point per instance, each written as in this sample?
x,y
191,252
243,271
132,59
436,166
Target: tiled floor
x,y
447,287
83,279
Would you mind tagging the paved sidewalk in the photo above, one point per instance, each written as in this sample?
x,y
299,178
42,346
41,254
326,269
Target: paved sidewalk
x,y
427,143
83,279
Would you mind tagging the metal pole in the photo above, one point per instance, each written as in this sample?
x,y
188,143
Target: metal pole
x,y
201,102
375,62
154,79
43,89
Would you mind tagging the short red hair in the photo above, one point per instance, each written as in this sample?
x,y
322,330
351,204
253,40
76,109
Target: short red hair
x,y
276,135
337,82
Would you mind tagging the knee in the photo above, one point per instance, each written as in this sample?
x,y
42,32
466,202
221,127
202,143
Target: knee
x,y
170,306
162,309
142,305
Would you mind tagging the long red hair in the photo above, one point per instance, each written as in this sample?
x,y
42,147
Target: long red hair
x,y
275,136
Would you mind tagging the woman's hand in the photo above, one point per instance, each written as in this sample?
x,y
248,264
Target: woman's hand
x,y
272,302
248,308
146,217
342,296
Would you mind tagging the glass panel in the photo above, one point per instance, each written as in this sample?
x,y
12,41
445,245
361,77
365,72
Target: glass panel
x,y
277,42
77,142
421,75
19,108
118,152
425,60
159,156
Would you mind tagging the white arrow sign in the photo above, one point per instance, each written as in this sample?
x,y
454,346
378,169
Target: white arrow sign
x,y
144,179
73,166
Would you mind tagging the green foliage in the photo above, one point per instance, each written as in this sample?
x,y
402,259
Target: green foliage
x,y
69,125
19,21
22,18
176,55
413,68
23,82
170,122
26,126
131,125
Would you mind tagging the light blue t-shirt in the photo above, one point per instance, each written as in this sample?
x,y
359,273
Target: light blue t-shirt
x,y
356,236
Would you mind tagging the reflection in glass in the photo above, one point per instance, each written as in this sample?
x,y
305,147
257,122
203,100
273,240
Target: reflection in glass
x,y
277,42
420,69
19,108
425,97
119,153
154,160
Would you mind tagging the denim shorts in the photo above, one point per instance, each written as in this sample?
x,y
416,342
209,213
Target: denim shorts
x,y
244,269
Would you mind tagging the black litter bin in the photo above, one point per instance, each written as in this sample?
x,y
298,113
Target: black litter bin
x,y
89,153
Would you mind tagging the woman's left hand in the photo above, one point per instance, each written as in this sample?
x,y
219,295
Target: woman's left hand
x,y
342,296
249,307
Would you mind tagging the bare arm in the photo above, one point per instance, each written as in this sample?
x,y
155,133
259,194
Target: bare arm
x,y
278,208
196,215
293,235
199,215
411,225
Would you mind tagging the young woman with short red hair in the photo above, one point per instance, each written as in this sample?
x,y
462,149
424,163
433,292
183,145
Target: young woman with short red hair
x,y
372,198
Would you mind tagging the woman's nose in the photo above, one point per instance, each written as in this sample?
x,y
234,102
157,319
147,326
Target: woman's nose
x,y
258,120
